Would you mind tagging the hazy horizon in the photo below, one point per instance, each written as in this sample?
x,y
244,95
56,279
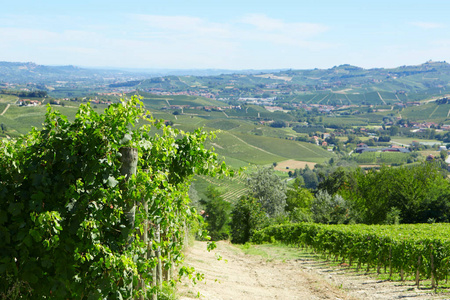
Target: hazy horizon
x,y
232,35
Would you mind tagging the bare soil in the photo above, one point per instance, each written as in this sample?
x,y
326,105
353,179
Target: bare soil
x,y
291,165
241,276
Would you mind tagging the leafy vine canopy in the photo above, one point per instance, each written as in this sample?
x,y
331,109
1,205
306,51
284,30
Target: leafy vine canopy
x,y
63,201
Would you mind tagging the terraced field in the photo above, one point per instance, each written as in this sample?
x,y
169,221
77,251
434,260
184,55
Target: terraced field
x,y
430,112
263,150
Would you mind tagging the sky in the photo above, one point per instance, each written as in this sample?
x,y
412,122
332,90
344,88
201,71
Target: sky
x,y
232,34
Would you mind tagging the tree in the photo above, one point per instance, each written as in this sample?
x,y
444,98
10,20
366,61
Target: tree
x,y
217,214
246,217
443,154
269,190
310,178
385,139
393,130
278,124
328,209
333,182
298,202
416,192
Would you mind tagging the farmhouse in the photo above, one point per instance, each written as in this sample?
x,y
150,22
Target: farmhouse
x,y
28,102
364,148
396,149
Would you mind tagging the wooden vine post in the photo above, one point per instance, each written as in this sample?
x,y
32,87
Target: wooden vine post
x,y
379,264
433,278
418,271
158,251
128,168
154,274
390,261
129,159
144,238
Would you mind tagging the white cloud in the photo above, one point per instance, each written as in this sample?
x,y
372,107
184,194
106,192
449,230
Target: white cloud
x,y
262,28
427,25
264,23
183,24
178,23
166,41
26,35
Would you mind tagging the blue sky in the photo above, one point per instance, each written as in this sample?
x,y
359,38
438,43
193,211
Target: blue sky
x,y
225,34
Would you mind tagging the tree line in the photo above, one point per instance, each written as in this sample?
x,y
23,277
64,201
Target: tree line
x,y
417,193
31,94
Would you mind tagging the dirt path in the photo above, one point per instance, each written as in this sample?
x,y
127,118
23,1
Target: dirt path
x,y
248,277
292,164
6,108
381,98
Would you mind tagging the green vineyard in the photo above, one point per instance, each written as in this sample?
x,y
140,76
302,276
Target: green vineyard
x,y
418,250
382,158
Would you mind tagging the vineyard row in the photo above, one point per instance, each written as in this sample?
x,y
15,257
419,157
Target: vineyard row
x,y
421,250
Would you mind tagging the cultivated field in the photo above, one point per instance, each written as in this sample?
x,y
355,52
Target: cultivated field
x,y
291,164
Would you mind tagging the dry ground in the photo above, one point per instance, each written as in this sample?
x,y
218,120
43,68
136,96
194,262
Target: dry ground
x,y
293,164
247,277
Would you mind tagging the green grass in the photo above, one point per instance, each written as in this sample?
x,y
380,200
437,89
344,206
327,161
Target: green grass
x,y
2,107
381,158
224,124
262,150
345,121
8,98
158,101
283,253
231,188
431,112
234,146
287,148
408,141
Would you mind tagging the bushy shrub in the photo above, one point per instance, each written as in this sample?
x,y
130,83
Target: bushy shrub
x,y
246,217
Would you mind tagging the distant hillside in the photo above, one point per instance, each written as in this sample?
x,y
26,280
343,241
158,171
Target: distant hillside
x,y
26,72
341,85
21,73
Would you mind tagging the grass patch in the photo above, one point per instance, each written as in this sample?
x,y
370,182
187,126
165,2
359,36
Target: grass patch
x,y
283,252
382,158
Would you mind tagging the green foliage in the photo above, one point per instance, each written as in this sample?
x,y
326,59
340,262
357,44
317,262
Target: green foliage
x,y
421,248
217,215
298,203
25,94
269,190
393,158
329,209
443,154
246,217
384,139
333,182
278,124
310,177
420,192
64,203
